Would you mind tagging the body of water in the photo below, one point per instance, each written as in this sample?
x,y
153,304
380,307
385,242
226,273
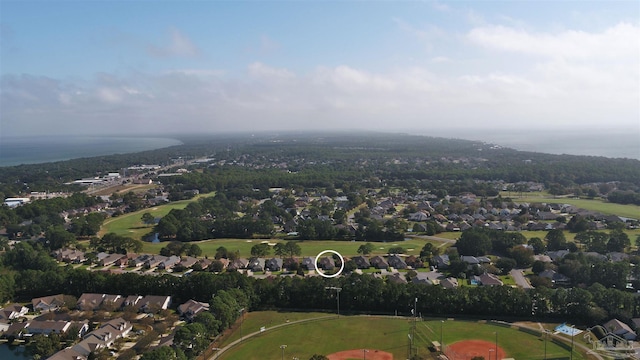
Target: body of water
x,y
35,150
8,352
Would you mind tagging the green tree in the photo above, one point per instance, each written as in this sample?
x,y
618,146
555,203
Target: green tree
x,y
366,249
555,240
474,243
618,240
260,250
161,353
537,244
147,218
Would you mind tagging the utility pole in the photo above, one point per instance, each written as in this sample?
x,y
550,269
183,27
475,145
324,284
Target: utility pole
x,y
337,289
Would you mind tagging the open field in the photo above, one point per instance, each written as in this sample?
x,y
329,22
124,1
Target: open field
x,y
630,211
386,334
136,188
131,224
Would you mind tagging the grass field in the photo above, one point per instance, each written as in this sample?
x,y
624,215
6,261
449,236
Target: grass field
x,y
630,211
381,333
131,224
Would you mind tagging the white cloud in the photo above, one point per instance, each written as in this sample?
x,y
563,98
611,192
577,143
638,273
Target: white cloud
x,y
615,42
562,80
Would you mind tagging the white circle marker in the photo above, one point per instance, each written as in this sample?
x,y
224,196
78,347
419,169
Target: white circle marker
x,y
315,264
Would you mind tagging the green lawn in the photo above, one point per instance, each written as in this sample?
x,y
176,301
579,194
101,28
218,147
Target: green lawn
x,y
382,333
131,225
630,211
309,248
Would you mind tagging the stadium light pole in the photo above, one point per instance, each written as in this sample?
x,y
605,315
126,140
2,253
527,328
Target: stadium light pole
x,y
490,351
337,289
241,311
571,356
283,347
496,345
441,343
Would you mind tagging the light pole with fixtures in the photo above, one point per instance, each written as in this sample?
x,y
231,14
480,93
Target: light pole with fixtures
x,y
283,347
337,289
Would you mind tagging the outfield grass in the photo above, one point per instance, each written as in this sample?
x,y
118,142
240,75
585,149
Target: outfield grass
x,y
308,248
630,211
131,224
383,333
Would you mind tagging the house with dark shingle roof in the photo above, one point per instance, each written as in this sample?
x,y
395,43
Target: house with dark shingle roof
x,y
396,262
48,303
361,262
379,262
619,328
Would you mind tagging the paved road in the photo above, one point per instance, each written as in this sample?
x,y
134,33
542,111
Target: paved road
x,y
521,281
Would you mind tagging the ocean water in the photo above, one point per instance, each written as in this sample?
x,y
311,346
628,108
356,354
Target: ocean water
x,y
40,149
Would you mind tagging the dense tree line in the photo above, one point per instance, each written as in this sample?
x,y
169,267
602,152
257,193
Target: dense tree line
x,y
31,273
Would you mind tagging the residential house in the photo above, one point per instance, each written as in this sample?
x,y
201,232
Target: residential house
x,y
169,263
238,264
57,327
155,261
188,261
361,262
67,354
557,255
555,277
90,302
69,256
112,301
326,263
397,278
308,263
110,259
470,260
273,264
449,283
13,311
422,279
47,303
256,264
396,262
153,303
379,262
619,328
487,279
442,261
103,337
191,308
132,300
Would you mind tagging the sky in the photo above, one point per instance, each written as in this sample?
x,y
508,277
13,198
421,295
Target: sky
x,y
178,67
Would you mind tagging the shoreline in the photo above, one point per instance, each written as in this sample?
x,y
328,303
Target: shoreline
x,y
17,151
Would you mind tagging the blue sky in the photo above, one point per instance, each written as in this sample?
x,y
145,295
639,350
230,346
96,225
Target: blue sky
x,y
154,67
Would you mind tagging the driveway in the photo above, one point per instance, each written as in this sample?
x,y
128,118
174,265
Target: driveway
x,y
519,278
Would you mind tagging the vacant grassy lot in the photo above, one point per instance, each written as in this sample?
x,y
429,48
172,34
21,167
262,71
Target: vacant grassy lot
x,y
382,333
630,211
131,224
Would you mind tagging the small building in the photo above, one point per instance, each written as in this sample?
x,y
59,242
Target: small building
x,y
48,303
13,311
619,328
396,262
379,262
191,308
